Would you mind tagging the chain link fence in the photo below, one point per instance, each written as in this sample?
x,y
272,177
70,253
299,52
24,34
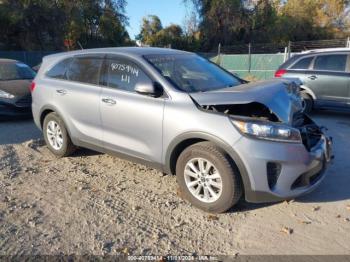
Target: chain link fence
x,y
260,61
252,61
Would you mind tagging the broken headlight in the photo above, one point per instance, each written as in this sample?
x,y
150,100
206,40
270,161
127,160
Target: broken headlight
x,y
268,131
4,94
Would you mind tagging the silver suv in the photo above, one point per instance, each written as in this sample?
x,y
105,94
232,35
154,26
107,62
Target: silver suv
x,y
180,113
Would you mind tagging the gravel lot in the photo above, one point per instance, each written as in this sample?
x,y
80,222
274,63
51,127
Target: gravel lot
x,y
93,203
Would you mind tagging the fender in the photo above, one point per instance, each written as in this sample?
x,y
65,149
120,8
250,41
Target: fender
x,y
54,109
215,140
308,91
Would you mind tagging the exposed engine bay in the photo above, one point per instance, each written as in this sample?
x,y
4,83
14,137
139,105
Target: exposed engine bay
x,y
253,110
273,101
310,132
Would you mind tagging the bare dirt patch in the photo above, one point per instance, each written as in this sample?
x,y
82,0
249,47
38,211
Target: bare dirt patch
x,y
94,203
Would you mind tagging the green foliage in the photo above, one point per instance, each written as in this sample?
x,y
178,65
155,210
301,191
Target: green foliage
x,y
61,24
151,25
152,33
232,22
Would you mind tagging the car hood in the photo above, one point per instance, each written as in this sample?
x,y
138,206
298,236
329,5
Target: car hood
x,y
281,96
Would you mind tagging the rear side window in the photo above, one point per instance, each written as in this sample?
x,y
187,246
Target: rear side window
x,y
9,72
60,69
302,63
123,74
330,62
85,69
15,71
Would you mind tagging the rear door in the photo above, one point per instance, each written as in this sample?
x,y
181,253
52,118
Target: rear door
x,y
132,123
79,97
329,79
300,68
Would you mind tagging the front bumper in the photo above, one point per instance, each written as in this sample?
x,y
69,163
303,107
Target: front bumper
x,y
7,110
16,107
279,171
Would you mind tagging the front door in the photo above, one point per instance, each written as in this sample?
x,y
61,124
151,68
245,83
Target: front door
x,y
132,123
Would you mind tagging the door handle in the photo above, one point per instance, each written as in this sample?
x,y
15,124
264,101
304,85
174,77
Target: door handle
x,y
61,91
109,101
313,77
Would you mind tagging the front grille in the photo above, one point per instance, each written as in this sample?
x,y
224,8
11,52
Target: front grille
x,y
24,101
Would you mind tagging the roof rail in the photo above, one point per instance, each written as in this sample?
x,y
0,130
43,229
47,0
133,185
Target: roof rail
x,y
326,50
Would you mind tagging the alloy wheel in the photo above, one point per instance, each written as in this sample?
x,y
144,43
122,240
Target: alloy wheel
x,y
203,180
54,135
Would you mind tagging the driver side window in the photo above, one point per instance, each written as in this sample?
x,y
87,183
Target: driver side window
x,y
123,74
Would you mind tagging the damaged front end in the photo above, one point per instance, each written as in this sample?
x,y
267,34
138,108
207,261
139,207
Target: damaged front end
x,y
269,110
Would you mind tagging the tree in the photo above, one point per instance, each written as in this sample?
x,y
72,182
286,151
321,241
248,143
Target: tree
x,y
152,33
221,21
151,25
47,25
170,36
334,15
30,25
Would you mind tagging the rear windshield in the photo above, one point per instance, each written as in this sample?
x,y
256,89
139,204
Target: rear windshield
x,y
15,71
192,73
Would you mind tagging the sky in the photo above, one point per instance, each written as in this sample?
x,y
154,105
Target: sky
x,y
169,11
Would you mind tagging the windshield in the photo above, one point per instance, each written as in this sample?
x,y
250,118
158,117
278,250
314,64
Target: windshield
x,y
192,73
15,71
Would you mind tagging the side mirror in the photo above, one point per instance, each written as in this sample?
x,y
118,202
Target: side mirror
x,y
149,89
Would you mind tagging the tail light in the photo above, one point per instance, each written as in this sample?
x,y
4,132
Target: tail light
x,y
280,72
32,86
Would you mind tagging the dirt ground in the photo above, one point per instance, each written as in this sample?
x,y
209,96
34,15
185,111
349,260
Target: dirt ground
x,y
94,203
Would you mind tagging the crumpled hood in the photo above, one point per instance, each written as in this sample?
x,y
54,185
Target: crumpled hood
x,y
281,96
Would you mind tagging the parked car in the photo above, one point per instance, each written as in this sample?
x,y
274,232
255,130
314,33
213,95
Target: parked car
x,y
325,77
184,115
37,67
15,81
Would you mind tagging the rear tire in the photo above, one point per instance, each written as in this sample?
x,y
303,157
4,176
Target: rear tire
x,y
208,178
307,102
56,136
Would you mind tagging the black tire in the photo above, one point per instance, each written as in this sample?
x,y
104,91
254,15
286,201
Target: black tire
x,y
308,103
231,180
67,147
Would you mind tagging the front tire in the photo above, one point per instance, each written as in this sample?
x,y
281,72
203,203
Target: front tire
x,y
56,136
208,178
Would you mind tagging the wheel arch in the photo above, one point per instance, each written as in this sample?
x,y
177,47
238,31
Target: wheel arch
x,y
308,91
51,109
180,143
